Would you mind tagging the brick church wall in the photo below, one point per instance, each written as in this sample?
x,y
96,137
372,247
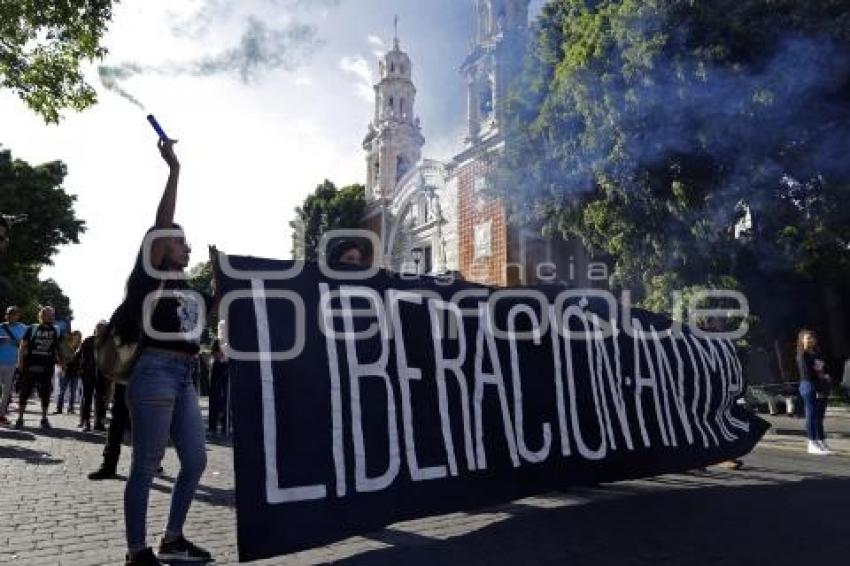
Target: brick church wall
x,y
476,210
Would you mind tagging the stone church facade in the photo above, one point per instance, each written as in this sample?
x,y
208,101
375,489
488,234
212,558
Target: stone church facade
x,y
435,217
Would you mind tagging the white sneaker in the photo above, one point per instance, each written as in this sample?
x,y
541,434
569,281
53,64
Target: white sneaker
x,y
815,448
824,446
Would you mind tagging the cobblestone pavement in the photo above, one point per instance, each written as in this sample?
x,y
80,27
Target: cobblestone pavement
x,y
783,507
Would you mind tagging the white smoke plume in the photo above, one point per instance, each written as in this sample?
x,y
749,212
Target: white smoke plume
x,y
260,49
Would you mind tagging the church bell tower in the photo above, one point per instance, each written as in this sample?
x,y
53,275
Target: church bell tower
x,y
394,141
496,57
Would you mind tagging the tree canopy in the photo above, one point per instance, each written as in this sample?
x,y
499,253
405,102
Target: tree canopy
x,y
42,46
327,208
34,195
648,128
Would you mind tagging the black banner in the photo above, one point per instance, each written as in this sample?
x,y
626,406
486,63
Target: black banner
x,y
360,403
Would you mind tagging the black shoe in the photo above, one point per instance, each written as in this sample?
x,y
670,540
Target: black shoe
x,y
19,424
57,412
87,427
103,473
72,412
45,424
182,550
99,427
143,558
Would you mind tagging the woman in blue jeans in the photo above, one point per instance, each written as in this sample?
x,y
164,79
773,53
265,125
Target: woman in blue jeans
x,y
814,389
162,311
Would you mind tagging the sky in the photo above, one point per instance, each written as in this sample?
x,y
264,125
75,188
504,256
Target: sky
x,y
254,141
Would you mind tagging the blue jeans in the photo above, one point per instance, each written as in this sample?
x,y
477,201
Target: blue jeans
x,y
815,411
67,384
162,402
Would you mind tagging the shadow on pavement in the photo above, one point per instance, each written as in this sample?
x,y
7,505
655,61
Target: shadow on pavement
x,y
68,434
802,434
211,495
28,456
788,523
18,435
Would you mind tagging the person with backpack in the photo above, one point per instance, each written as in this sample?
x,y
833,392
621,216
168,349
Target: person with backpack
x,y
163,316
11,333
38,356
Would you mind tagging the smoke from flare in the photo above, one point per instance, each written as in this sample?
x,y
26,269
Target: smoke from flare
x,y
259,49
109,77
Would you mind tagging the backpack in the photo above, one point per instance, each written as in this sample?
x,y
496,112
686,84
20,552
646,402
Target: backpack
x,y
115,359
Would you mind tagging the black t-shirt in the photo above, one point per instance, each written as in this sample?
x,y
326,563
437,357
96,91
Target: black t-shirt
x,y
42,343
806,362
177,312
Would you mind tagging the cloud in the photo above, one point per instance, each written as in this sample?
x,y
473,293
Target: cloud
x,y
379,46
358,66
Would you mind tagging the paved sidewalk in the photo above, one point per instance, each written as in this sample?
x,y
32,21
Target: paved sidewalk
x,y
52,514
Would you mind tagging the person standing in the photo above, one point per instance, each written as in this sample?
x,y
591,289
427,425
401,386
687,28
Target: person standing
x,y
11,333
69,379
219,384
115,435
89,373
161,396
38,356
814,389
102,396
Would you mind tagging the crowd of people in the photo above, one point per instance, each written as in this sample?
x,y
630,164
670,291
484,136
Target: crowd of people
x,y
37,359
61,368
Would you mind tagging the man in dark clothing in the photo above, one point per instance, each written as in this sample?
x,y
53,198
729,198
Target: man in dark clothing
x,y
87,364
219,384
38,356
117,426
102,395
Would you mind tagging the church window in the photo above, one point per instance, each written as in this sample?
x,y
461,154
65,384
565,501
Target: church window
x,y
392,67
390,102
423,213
401,108
486,98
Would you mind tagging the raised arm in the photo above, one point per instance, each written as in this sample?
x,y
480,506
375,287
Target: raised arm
x,y
168,202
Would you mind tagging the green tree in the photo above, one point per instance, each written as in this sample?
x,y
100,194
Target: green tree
x,y
327,208
35,195
36,192
201,280
646,127
42,46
